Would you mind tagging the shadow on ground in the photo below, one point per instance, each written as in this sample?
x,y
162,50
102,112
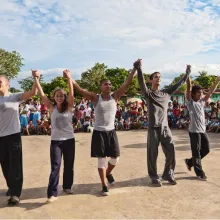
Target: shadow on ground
x,y
92,189
180,145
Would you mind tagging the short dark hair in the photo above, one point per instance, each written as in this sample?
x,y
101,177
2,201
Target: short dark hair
x,y
196,88
103,80
152,75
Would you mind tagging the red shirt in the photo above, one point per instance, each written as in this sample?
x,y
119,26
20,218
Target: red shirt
x,y
78,114
176,112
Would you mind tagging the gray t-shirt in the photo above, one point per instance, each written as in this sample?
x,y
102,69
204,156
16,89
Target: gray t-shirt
x,y
9,114
157,102
197,116
61,125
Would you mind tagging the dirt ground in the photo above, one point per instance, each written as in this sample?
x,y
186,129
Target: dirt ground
x,y
131,197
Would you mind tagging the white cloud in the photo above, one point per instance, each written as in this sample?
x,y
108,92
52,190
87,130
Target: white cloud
x,y
216,3
166,34
48,75
199,4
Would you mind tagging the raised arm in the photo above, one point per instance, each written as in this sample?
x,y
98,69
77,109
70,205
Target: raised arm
x,y
32,92
212,89
141,80
175,87
118,93
86,94
189,88
45,99
66,74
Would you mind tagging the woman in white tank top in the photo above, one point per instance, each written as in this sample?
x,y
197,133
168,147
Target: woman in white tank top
x,y
62,137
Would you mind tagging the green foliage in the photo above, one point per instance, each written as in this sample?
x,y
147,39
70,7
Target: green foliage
x,y
176,80
14,90
58,82
118,76
91,78
10,63
26,84
205,80
121,103
147,80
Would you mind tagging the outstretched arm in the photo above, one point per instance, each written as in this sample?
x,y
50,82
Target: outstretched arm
x,y
138,66
45,99
173,88
66,74
118,93
212,89
86,94
32,92
189,87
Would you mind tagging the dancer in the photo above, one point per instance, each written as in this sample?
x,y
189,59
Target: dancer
x,y
197,128
158,130
62,137
10,138
104,138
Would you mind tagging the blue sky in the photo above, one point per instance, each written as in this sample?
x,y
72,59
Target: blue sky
x,y
167,34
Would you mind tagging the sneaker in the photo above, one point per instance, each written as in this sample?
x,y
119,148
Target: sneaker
x,y
14,200
156,183
8,193
51,199
68,191
110,179
203,177
105,191
171,180
187,166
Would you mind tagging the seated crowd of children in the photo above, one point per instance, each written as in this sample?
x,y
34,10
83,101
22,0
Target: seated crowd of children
x,y
35,118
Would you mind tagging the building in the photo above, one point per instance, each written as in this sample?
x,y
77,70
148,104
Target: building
x,y
215,96
179,96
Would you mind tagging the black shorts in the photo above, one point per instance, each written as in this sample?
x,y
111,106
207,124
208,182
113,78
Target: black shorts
x,y
105,144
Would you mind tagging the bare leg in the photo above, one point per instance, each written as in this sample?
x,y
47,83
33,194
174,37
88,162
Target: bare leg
x,y
27,131
102,174
109,168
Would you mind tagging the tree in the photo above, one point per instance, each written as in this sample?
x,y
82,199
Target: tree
x,y
117,76
14,90
26,84
147,80
205,80
177,79
58,82
91,78
10,63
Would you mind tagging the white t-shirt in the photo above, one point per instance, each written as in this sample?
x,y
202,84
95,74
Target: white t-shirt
x,y
87,111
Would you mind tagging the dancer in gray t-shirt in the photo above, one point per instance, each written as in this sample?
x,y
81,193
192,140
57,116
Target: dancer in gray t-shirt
x,y
159,132
10,138
197,128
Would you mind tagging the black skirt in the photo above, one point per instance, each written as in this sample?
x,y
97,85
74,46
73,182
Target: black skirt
x,y
105,144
